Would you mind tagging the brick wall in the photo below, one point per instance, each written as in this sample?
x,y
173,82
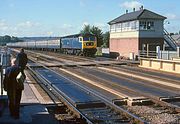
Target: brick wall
x,y
124,46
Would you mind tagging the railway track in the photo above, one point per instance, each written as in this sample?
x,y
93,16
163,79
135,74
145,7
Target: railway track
x,y
163,81
83,102
60,56
174,79
138,85
161,106
145,108
55,59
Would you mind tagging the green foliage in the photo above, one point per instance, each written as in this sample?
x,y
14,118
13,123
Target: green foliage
x,y
99,35
7,39
94,30
106,37
86,30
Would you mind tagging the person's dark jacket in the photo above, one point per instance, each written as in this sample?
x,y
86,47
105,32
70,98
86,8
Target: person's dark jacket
x,y
22,60
10,82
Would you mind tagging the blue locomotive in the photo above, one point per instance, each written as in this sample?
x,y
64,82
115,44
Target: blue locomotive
x,y
79,44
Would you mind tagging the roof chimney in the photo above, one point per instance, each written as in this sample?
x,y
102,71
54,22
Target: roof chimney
x,y
134,9
126,11
141,8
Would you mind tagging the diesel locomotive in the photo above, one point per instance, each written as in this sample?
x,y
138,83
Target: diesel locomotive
x,y
79,44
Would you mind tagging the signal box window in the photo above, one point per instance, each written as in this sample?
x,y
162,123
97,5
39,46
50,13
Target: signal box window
x,y
146,25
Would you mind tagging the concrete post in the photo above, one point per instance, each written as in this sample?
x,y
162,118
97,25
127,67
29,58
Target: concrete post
x,y
164,47
168,55
178,51
1,58
158,52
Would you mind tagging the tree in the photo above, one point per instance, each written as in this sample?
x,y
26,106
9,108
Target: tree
x,y
14,39
94,30
106,37
176,33
99,35
86,29
7,39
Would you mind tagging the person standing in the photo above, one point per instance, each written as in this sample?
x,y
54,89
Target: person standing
x,y
22,60
13,91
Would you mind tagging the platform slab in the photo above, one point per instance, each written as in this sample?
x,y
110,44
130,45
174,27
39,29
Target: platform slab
x,y
32,114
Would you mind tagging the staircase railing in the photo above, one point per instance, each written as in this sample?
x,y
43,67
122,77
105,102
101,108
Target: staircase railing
x,y
169,40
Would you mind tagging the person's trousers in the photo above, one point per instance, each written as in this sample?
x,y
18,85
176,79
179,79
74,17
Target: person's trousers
x,y
22,71
14,102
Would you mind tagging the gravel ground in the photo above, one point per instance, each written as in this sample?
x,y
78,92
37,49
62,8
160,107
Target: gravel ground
x,y
155,115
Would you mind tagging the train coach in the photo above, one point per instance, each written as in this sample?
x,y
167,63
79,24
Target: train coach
x,y
77,44
38,45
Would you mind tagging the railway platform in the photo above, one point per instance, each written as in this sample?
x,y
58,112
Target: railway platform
x,y
33,107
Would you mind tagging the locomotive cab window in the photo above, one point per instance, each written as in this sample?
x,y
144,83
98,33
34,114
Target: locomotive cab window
x,y
92,38
85,38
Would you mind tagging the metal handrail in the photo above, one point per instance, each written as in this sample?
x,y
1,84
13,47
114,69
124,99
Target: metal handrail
x,y
147,54
169,37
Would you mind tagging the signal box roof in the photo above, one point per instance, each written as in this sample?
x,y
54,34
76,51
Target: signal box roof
x,y
137,15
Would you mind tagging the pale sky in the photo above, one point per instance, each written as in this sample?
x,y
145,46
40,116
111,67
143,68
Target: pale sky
x,y
63,17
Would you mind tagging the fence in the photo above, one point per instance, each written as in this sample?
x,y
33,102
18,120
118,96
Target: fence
x,y
147,54
159,54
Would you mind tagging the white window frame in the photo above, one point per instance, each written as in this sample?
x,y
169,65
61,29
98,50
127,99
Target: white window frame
x,y
146,25
113,28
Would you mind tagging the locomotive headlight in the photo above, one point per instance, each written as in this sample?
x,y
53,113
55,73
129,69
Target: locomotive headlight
x,y
89,44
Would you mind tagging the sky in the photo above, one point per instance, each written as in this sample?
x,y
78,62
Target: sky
x,y
27,18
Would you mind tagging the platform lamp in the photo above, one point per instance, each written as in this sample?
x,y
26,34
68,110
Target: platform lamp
x,y
166,22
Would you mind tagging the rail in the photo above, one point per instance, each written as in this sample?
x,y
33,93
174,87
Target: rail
x,y
51,89
91,92
64,98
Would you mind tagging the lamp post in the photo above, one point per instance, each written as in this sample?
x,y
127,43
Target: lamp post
x,y
164,30
166,22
